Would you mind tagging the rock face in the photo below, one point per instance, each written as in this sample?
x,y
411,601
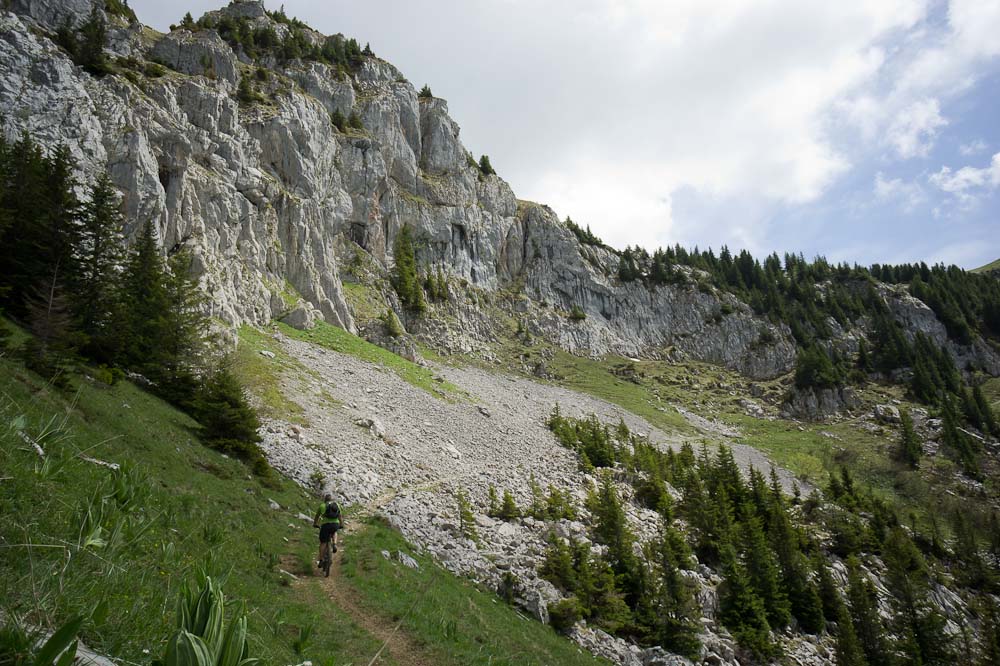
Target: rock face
x,y
270,197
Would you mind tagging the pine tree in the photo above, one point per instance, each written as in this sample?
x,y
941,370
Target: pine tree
x,y
919,626
676,611
405,279
763,571
485,167
146,306
558,567
848,650
508,509
864,616
228,423
466,519
425,92
803,595
91,49
989,418
910,449
740,609
96,284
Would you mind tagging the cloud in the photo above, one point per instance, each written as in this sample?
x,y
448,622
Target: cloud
x,y
907,195
613,111
968,183
912,132
974,147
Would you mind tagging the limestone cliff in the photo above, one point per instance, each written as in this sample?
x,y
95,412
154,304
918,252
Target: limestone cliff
x,y
267,193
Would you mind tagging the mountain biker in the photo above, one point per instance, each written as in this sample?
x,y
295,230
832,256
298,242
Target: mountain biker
x,y
329,511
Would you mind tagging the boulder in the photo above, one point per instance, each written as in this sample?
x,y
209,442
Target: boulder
x,y
886,414
303,317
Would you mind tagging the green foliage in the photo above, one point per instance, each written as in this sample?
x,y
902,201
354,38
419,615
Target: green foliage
x,y
868,626
910,449
20,647
425,92
584,236
228,422
202,637
564,614
354,121
485,167
392,324
339,120
466,519
86,45
508,508
576,313
815,369
741,610
404,275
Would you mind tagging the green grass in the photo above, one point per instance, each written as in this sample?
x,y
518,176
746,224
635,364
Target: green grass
x,y
365,302
993,265
339,340
458,623
594,377
261,375
197,511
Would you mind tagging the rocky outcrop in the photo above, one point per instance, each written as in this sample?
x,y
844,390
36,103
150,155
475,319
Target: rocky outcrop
x,y
269,194
814,404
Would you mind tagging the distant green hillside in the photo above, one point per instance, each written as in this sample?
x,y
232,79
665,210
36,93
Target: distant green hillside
x,y
992,266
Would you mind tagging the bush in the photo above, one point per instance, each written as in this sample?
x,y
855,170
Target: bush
x,y
485,167
425,92
576,313
564,614
392,324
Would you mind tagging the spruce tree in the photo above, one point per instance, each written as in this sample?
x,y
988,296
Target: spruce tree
x,y
228,422
910,449
558,567
848,650
485,166
466,519
864,615
508,509
763,571
917,623
740,609
96,284
989,426
676,611
405,279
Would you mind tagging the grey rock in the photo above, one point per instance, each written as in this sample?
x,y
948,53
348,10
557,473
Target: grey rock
x,y
303,317
886,414
202,53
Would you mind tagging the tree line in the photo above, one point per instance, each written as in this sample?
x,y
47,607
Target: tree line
x,y
90,303
776,569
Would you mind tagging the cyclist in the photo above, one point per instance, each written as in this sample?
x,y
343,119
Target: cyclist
x,y
329,512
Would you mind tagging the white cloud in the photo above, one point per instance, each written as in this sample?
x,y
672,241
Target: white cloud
x,y
912,132
907,195
968,183
974,147
607,109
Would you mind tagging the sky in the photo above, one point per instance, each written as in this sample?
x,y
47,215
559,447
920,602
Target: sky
x,y
864,131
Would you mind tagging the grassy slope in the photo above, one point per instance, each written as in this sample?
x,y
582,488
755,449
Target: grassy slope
x,y
993,265
459,624
203,513
339,340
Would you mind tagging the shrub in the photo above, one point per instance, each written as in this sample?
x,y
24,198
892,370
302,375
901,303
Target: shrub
x,y
576,313
338,120
392,324
564,614
425,92
354,121
485,167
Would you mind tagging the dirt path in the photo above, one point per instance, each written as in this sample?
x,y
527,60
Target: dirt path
x,y
397,646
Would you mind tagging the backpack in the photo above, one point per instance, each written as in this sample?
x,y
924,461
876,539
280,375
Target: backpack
x,y
332,512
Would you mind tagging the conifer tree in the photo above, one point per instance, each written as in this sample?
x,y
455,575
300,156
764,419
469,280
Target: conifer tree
x,y
100,261
864,616
740,609
848,650
339,120
485,166
405,279
558,567
676,611
803,595
763,571
910,449
918,625
494,505
466,519
228,422
509,510
989,418
91,49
